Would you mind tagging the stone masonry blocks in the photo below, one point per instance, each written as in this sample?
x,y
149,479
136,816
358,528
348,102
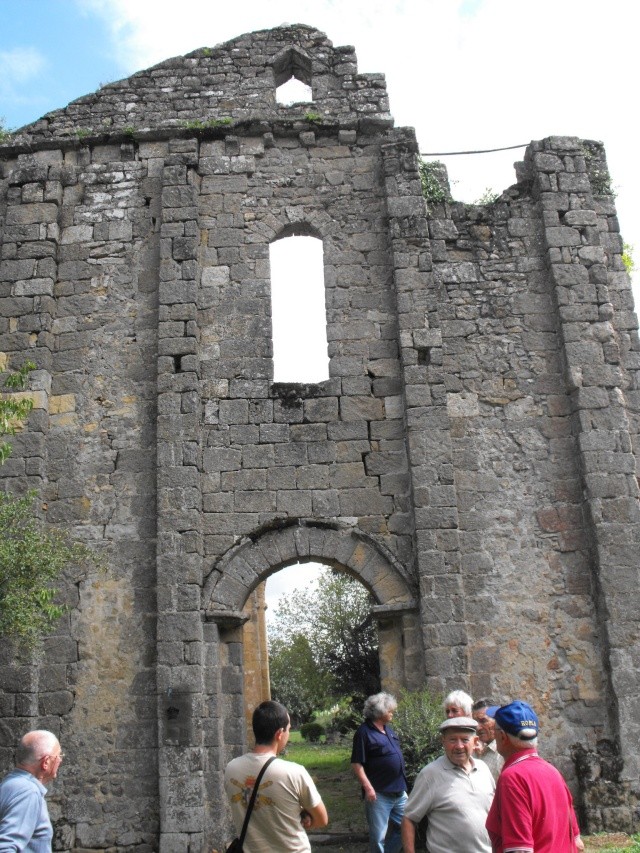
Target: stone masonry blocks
x,y
472,460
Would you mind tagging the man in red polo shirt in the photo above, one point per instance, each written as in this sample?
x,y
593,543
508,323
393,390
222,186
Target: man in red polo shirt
x,y
532,811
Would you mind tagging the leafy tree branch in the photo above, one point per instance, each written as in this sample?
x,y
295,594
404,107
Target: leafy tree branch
x,y
31,561
324,645
14,410
32,557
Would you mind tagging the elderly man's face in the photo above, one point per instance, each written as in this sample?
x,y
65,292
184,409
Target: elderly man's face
x,y
486,726
50,764
459,745
454,711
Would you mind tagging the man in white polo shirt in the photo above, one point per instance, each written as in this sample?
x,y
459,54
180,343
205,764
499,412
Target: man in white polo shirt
x,y
454,792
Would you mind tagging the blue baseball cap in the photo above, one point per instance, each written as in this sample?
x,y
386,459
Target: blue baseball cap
x,y
516,718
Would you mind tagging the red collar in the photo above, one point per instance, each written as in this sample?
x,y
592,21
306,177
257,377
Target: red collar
x,y
520,755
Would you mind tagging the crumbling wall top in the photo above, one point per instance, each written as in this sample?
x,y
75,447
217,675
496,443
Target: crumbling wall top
x,y
230,83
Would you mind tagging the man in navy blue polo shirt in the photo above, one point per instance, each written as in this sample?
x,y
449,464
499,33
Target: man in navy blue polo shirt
x,y
378,765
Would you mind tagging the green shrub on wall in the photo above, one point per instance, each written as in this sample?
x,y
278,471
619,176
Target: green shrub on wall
x,y
32,557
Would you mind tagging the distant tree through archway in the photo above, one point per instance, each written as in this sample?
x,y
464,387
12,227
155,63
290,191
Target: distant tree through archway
x,y
323,644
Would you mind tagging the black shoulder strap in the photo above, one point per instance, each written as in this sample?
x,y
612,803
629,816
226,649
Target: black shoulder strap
x,y
254,794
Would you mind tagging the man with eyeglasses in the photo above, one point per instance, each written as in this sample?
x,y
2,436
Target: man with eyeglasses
x,y
24,817
454,793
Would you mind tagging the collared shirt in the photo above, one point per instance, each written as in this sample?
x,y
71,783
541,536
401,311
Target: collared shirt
x,y
456,804
380,755
533,807
492,759
24,818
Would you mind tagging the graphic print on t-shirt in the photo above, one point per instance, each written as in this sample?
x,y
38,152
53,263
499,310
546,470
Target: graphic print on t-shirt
x,y
245,789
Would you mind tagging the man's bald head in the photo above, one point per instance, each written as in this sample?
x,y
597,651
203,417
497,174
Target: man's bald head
x,y
39,754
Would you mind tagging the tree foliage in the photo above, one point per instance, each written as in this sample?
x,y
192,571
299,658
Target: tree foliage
x,y
332,623
295,679
489,196
32,558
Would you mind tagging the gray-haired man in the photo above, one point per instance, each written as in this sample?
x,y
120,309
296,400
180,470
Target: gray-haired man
x,y
487,749
24,818
533,808
454,792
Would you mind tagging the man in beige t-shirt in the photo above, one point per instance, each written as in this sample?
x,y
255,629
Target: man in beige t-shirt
x,y
287,803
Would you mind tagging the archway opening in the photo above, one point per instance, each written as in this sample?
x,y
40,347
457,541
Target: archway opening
x,y
323,640
311,642
232,589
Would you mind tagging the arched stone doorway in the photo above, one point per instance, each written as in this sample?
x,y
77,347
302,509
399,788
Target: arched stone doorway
x,y
252,561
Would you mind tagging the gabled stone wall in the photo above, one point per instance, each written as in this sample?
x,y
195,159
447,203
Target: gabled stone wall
x,y
235,80
472,459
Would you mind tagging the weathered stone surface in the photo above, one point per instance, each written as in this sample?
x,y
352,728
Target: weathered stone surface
x,y
478,435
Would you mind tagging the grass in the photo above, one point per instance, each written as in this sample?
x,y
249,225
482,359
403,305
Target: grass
x,y
616,842
329,766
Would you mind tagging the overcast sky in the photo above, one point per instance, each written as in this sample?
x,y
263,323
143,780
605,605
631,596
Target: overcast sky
x,y
467,74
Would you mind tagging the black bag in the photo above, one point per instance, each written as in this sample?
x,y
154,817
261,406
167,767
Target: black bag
x,y
237,845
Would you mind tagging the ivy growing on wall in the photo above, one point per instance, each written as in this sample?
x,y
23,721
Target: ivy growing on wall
x,y
598,172
433,181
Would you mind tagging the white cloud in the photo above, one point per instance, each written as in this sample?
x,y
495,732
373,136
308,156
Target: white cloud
x,y
300,576
21,64
466,74
17,67
145,32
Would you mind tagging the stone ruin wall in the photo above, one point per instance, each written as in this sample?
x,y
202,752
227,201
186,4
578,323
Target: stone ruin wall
x,y
534,319
472,457
80,308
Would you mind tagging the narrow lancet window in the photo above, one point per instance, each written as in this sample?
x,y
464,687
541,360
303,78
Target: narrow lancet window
x,y
298,310
292,76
